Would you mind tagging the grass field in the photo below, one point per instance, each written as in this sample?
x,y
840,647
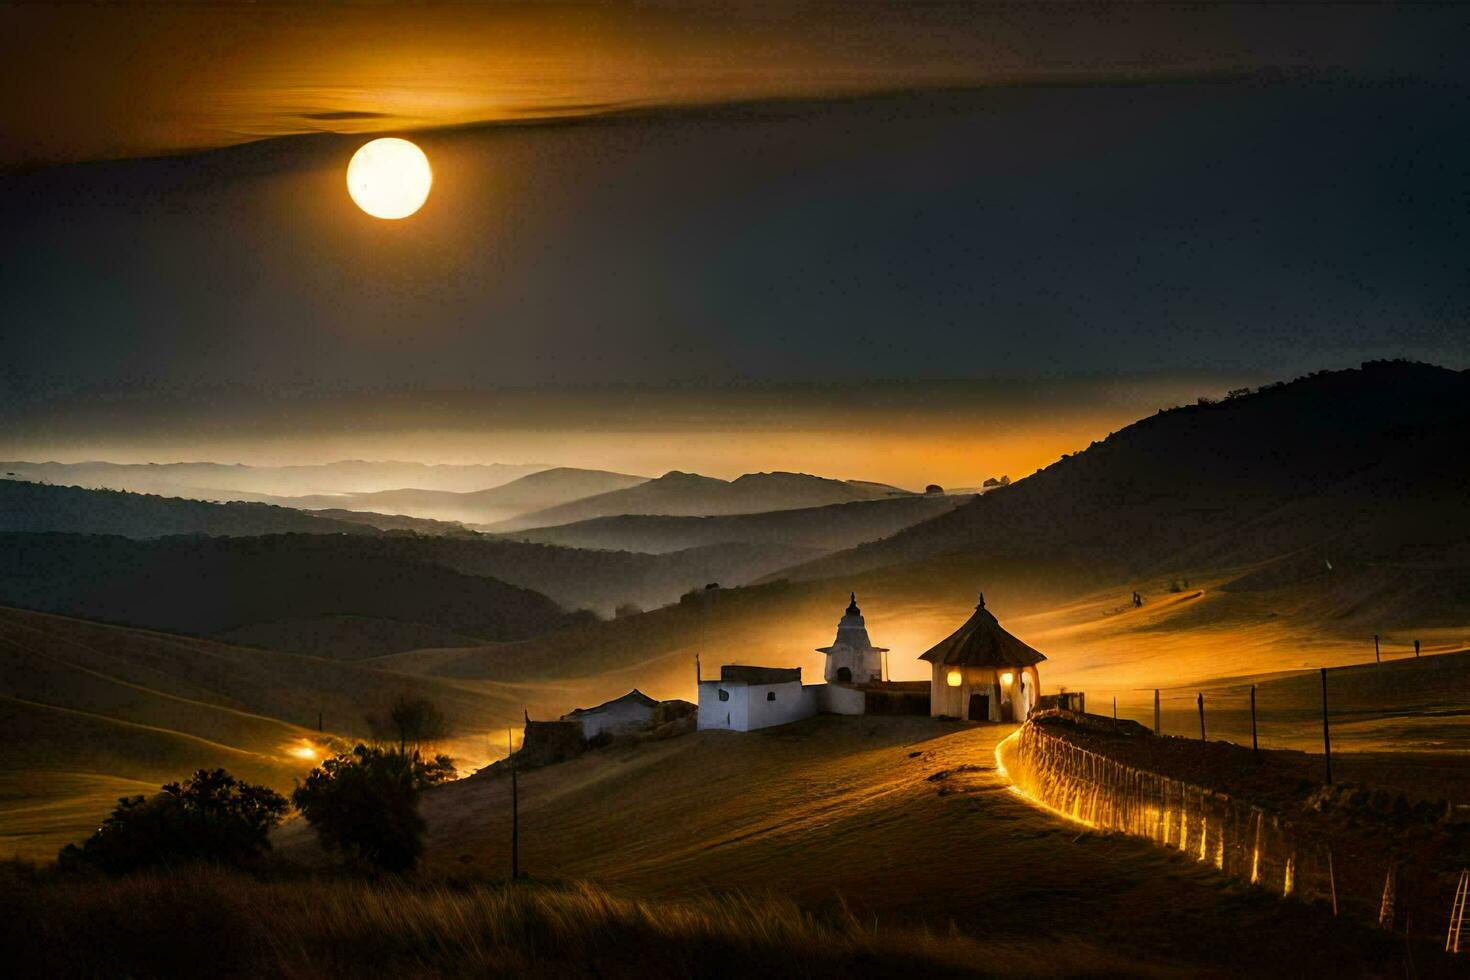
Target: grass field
x,y
200,921
901,821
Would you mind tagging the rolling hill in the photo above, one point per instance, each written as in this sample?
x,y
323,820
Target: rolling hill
x,y
536,491
309,587
90,712
577,578
901,821
218,481
830,528
1359,464
692,495
32,507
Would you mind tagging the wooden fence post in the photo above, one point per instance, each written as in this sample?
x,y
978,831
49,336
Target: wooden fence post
x,y
1255,745
1390,897
1457,913
515,813
1332,880
1326,734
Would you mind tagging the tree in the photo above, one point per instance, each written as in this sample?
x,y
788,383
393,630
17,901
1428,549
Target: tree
x,y
209,817
365,805
416,721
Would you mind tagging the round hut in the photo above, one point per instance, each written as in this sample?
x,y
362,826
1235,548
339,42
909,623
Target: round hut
x,y
982,673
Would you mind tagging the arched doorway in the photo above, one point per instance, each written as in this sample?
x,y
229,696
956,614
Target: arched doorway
x,y
844,675
1028,695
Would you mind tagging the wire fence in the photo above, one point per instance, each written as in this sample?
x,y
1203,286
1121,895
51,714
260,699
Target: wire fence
x,y
1405,704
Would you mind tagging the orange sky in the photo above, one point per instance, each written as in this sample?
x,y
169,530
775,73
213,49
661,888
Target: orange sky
x,y
906,433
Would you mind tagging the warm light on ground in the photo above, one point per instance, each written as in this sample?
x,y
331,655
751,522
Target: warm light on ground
x,y
389,178
305,750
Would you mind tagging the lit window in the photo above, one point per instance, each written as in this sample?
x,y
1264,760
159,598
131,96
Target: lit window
x,y
770,695
954,678
1006,678
724,695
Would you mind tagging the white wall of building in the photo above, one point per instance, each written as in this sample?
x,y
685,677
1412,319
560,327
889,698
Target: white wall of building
x,y
625,717
779,704
750,707
728,713
838,699
945,699
862,665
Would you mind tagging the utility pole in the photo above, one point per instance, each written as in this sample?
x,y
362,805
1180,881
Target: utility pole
x,y
1158,718
1202,716
515,813
1326,734
1377,657
319,716
1416,648
1255,745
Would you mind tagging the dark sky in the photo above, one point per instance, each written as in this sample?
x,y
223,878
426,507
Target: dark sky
x,y
1210,192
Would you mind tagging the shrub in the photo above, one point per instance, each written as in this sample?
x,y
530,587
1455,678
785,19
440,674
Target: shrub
x,y
210,817
365,805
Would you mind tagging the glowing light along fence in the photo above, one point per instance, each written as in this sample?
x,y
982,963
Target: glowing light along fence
x,y
1237,838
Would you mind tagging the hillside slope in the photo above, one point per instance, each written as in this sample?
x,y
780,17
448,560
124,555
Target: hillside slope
x,y
830,528
1323,458
692,495
89,712
900,820
38,507
212,586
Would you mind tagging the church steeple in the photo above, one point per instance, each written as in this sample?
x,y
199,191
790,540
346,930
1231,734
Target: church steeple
x,y
852,658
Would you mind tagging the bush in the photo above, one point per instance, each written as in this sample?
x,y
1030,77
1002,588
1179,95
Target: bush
x,y
210,817
365,805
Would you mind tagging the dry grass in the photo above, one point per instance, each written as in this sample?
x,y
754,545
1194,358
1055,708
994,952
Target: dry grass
x,y
209,922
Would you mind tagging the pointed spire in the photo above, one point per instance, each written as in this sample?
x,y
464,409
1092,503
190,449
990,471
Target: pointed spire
x,y
980,603
852,606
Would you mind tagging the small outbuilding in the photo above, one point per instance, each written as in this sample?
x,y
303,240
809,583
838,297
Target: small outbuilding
x,y
980,672
747,698
633,711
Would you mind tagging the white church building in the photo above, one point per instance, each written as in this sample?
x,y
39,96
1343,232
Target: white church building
x,y
747,698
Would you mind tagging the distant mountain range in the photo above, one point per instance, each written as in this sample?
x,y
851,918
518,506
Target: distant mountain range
x,y
218,481
536,491
601,580
830,528
692,495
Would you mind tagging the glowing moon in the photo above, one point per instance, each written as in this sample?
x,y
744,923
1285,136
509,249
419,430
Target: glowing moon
x,y
389,178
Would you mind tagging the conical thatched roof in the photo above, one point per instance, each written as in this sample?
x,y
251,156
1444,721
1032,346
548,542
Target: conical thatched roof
x,y
982,642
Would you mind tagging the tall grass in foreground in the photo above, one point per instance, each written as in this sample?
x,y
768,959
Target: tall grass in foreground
x,y
205,922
